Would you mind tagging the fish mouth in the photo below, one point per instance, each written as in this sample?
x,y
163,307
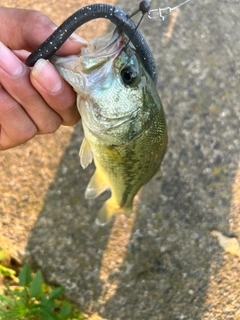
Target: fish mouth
x,y
109,43
93,63
101,50
95,54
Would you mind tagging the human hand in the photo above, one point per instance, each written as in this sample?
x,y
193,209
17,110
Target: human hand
x,y
33,101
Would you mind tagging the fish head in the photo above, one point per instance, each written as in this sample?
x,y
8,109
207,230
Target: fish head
x,y
113,88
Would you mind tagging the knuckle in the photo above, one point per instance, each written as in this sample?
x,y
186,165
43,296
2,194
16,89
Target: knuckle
x,y
71,122
50,126
8,105
35,21
16,127
28,132
16,135
40,18
30,97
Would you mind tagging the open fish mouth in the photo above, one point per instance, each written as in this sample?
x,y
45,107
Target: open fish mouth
x,y
98,53
107,44
101,50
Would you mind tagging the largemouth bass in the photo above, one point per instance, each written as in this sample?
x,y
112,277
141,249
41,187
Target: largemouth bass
x,y
122,117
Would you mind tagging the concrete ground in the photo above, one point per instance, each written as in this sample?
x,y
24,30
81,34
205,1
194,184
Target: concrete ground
x,y
169,260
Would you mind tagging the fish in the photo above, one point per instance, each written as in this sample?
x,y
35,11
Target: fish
x,y
125,130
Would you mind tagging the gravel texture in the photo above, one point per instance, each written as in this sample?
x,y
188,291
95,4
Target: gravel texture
x,y
161,263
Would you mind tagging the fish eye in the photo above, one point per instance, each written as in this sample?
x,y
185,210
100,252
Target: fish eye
x,y
129,75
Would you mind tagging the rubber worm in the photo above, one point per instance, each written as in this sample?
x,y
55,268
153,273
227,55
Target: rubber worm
x,y
118,17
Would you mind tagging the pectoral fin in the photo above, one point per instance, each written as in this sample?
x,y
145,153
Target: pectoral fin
x,y
85,154
96,186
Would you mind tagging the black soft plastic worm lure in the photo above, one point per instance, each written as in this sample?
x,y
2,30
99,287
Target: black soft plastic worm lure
x,y
118,17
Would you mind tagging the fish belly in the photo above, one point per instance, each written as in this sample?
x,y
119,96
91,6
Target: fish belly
x,y
125,169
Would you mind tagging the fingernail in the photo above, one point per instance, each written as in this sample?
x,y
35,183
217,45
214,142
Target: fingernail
x,y
47,76
76,38
9,62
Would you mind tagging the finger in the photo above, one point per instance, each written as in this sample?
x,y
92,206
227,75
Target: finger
x,y
15,125
21,54
27,29
60,96
55,91
14,77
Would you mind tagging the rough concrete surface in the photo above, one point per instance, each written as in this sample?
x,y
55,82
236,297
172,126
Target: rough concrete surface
x,y
163,262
